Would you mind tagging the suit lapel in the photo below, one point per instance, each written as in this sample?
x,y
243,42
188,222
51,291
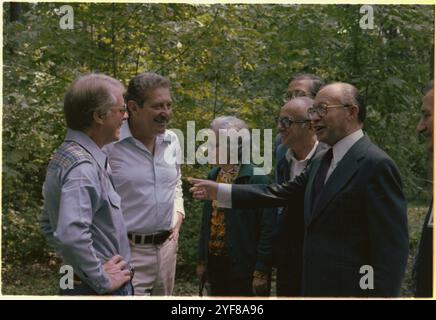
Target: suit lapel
x,y
308,205
282,170
343,172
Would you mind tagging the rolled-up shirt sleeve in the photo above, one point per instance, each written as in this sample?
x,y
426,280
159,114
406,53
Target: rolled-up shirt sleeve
x,y
178,201
79,199
224,195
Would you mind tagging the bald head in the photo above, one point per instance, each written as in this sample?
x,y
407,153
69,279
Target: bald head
x,y
298,107
297,134
346,94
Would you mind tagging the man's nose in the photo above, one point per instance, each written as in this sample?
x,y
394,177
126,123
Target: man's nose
x,y
420,128
167,111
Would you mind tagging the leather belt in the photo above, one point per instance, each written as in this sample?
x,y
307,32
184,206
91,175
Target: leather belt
x,y
156,238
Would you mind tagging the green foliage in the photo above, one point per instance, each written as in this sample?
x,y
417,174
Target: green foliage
x,y
43,278
189,235
222,60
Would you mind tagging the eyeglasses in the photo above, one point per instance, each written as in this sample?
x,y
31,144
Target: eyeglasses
x,y
321,110
122,110
294,94
286,122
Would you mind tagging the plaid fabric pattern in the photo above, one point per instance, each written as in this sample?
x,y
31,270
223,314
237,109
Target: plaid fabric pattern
x,y
67,155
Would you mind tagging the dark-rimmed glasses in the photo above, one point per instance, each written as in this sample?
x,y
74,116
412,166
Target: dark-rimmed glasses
x,y
286,122
294,94
321,110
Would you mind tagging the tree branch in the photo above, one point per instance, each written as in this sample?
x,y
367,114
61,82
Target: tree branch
x,y
188,45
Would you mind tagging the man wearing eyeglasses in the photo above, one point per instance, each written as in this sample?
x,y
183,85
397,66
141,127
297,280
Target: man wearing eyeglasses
x,y
303,85
82,217
299,139
299,85
355,213
146,170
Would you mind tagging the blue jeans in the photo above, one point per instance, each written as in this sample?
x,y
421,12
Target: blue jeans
x,y
82,289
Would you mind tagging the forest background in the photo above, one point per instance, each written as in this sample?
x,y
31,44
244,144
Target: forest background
x,y
222,59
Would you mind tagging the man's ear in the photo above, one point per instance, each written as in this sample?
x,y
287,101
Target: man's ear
x,y
354,111
132,106
97,117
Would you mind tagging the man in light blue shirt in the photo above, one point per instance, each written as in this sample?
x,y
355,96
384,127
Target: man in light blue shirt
x,y
82,217
148,179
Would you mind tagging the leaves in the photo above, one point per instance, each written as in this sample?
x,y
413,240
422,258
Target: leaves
x,y
222,60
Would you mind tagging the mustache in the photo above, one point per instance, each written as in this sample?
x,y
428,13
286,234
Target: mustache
x,y
162,118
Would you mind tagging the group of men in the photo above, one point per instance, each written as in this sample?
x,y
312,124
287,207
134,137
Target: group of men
x,y
342,227
113,202
113,206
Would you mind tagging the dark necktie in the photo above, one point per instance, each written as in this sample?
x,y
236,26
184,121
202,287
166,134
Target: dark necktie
x,y
318,183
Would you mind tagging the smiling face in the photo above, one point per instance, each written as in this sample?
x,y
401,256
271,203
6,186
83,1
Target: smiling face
x,y
112,121
339,121
152,118
297,132
425,125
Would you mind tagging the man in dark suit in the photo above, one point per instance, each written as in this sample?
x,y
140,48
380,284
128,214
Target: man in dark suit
x,y
355,213
300,143
423,268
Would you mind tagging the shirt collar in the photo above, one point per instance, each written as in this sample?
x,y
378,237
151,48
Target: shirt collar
x,y
88,144
164,137
290,155
125,133
342,146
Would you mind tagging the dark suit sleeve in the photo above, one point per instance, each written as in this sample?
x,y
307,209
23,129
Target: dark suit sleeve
x,y
269,196
388,232
266,222
202,245
202,240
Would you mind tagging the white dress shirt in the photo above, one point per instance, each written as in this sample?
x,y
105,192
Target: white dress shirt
x,y
297,166
341,148
149,184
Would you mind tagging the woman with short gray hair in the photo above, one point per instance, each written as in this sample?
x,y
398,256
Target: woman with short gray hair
x,y
235,245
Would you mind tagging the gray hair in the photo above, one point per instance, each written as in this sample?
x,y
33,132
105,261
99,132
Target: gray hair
x,y
89,93
228,122
234,125
140,85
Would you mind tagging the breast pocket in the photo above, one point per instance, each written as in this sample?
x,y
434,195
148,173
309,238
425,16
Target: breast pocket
x,y
114,200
